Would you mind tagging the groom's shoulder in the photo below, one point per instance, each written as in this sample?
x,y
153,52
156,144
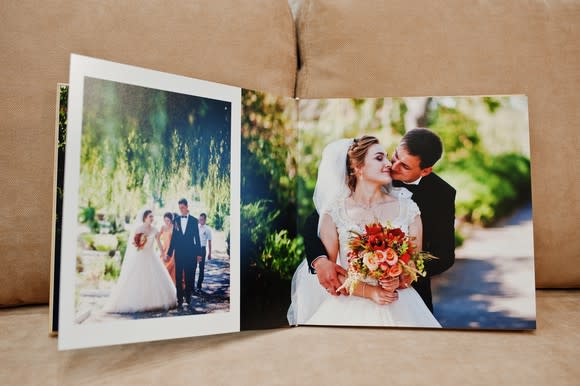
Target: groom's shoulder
x,y
439,185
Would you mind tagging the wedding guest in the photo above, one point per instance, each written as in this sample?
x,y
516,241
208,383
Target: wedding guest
x,y
205,238
165,238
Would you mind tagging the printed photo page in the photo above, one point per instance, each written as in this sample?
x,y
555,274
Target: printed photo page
x,y
151,195
193,208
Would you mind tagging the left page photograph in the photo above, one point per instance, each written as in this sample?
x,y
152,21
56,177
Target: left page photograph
x,y
152,176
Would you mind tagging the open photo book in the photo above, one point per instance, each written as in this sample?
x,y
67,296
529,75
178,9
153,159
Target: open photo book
x,y
186,208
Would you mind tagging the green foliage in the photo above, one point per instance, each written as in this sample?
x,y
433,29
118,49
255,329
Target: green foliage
x,y
88,216
112,270
216,195
269,167
459,238
492,104
270,141
122,243
397,116
143,146
105,243
87,241
457,132
282,254
257,220
488,186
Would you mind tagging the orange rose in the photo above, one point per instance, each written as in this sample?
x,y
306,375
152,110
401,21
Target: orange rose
x,y
381,255
395,270
392,257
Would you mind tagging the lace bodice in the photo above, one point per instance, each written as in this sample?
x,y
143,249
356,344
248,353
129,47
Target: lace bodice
x,y
399,213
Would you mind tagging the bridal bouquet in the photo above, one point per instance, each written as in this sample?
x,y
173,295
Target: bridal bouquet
x,y
139,240
380,252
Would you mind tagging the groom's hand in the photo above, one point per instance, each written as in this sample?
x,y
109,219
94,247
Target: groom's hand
x,y
327,273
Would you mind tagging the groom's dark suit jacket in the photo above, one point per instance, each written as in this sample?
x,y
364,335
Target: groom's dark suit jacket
x,y
436,200
188,245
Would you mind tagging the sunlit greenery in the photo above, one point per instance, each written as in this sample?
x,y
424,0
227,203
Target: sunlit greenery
x,y
143,146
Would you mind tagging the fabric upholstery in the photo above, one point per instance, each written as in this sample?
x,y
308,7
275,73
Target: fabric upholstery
x,y
307,355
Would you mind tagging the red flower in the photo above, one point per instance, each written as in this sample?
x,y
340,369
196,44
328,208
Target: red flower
x,y
374,229
405,257
139,240
376,242
396,232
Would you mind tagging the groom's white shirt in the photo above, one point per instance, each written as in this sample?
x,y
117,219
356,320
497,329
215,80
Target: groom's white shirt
x,y
183,224
416,182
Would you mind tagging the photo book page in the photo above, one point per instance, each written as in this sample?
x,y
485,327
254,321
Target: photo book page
x,y
190,208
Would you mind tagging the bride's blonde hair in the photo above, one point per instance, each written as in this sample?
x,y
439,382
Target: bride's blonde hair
x,y
356,157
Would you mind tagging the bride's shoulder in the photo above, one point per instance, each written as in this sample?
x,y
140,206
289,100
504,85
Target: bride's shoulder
x,y
334,209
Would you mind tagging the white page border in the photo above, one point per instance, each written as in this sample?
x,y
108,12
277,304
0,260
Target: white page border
x,y
73,335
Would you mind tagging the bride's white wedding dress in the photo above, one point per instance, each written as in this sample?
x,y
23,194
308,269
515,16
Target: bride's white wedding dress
x,y
311,304
144,283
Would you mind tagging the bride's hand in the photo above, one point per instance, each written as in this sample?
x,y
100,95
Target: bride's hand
x,y
390,284
380,295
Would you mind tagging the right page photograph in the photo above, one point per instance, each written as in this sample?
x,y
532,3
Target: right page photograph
x,y
414,212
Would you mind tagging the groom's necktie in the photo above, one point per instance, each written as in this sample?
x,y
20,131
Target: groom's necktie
x,y
399,184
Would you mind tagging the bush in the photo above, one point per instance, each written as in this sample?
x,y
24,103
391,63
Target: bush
x,y
488,187
88,216
282,254
122,243
256,221
112,270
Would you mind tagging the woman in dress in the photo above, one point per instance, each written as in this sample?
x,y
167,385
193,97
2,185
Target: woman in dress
x,y
164,237
144,283
354,189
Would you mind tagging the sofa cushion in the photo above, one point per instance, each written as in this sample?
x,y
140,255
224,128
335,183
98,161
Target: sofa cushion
x,y
421,48
249,44
307,355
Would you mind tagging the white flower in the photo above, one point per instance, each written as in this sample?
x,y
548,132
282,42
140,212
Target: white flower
x,y
371,261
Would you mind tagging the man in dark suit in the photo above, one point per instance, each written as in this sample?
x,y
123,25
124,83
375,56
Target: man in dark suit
x,y
413,169
186,244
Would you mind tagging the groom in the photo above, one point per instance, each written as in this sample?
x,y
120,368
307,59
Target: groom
x,y
186,244
412,168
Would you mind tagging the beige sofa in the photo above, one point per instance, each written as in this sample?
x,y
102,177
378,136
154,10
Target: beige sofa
x,y
314,48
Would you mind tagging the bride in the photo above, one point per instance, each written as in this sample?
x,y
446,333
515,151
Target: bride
x,y
144,283
354,189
